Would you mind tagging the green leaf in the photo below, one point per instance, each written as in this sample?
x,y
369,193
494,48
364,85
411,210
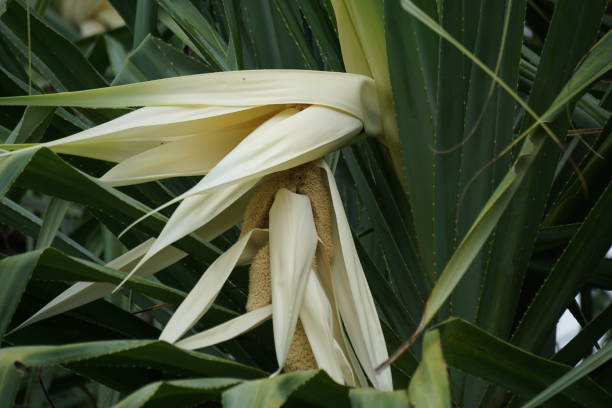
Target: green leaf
x,y
290,17
115,52
589,364
572,202
403,368
369,397
597,64
429,388
554,237
139,359
54,215
10,168
476,352
49,63
261,40
320,23
563,51
312,388
572,270
177,393
51,264
150,61
477,134
398,317
232,16
582,344
413,60
45,42
18,217
600,277
32,126
13,281
199,30
387,216
146,21
73,123
270,44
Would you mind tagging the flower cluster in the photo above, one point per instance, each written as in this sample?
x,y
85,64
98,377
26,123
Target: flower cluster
x,y
256,137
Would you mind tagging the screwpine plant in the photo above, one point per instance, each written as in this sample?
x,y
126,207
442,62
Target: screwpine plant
x,y
324,203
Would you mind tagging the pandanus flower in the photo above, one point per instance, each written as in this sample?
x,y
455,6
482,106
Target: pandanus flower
x,y
256,137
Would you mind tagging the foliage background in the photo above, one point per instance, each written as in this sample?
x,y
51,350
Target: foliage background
x,y
60,225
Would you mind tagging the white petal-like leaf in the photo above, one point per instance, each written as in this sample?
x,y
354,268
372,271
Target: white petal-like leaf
x,y
204,293
316,317
350,93
189,156
293,241
148,127
194,213
355,375
228,330
354,298
285,141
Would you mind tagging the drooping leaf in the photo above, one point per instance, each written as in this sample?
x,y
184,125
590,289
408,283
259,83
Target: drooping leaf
x,y
582,344
98,360
204,293
227,330
476,352
584,368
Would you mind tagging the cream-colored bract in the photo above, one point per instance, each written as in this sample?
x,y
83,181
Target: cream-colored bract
x,y
350,93
208,287
293,242
228,330
354,298
236,129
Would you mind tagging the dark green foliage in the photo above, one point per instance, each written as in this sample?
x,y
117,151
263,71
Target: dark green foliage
x,y
528,223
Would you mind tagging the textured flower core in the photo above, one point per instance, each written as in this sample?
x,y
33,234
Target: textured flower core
x,y
309,180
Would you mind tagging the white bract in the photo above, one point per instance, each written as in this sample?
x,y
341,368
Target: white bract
x,y
236,129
